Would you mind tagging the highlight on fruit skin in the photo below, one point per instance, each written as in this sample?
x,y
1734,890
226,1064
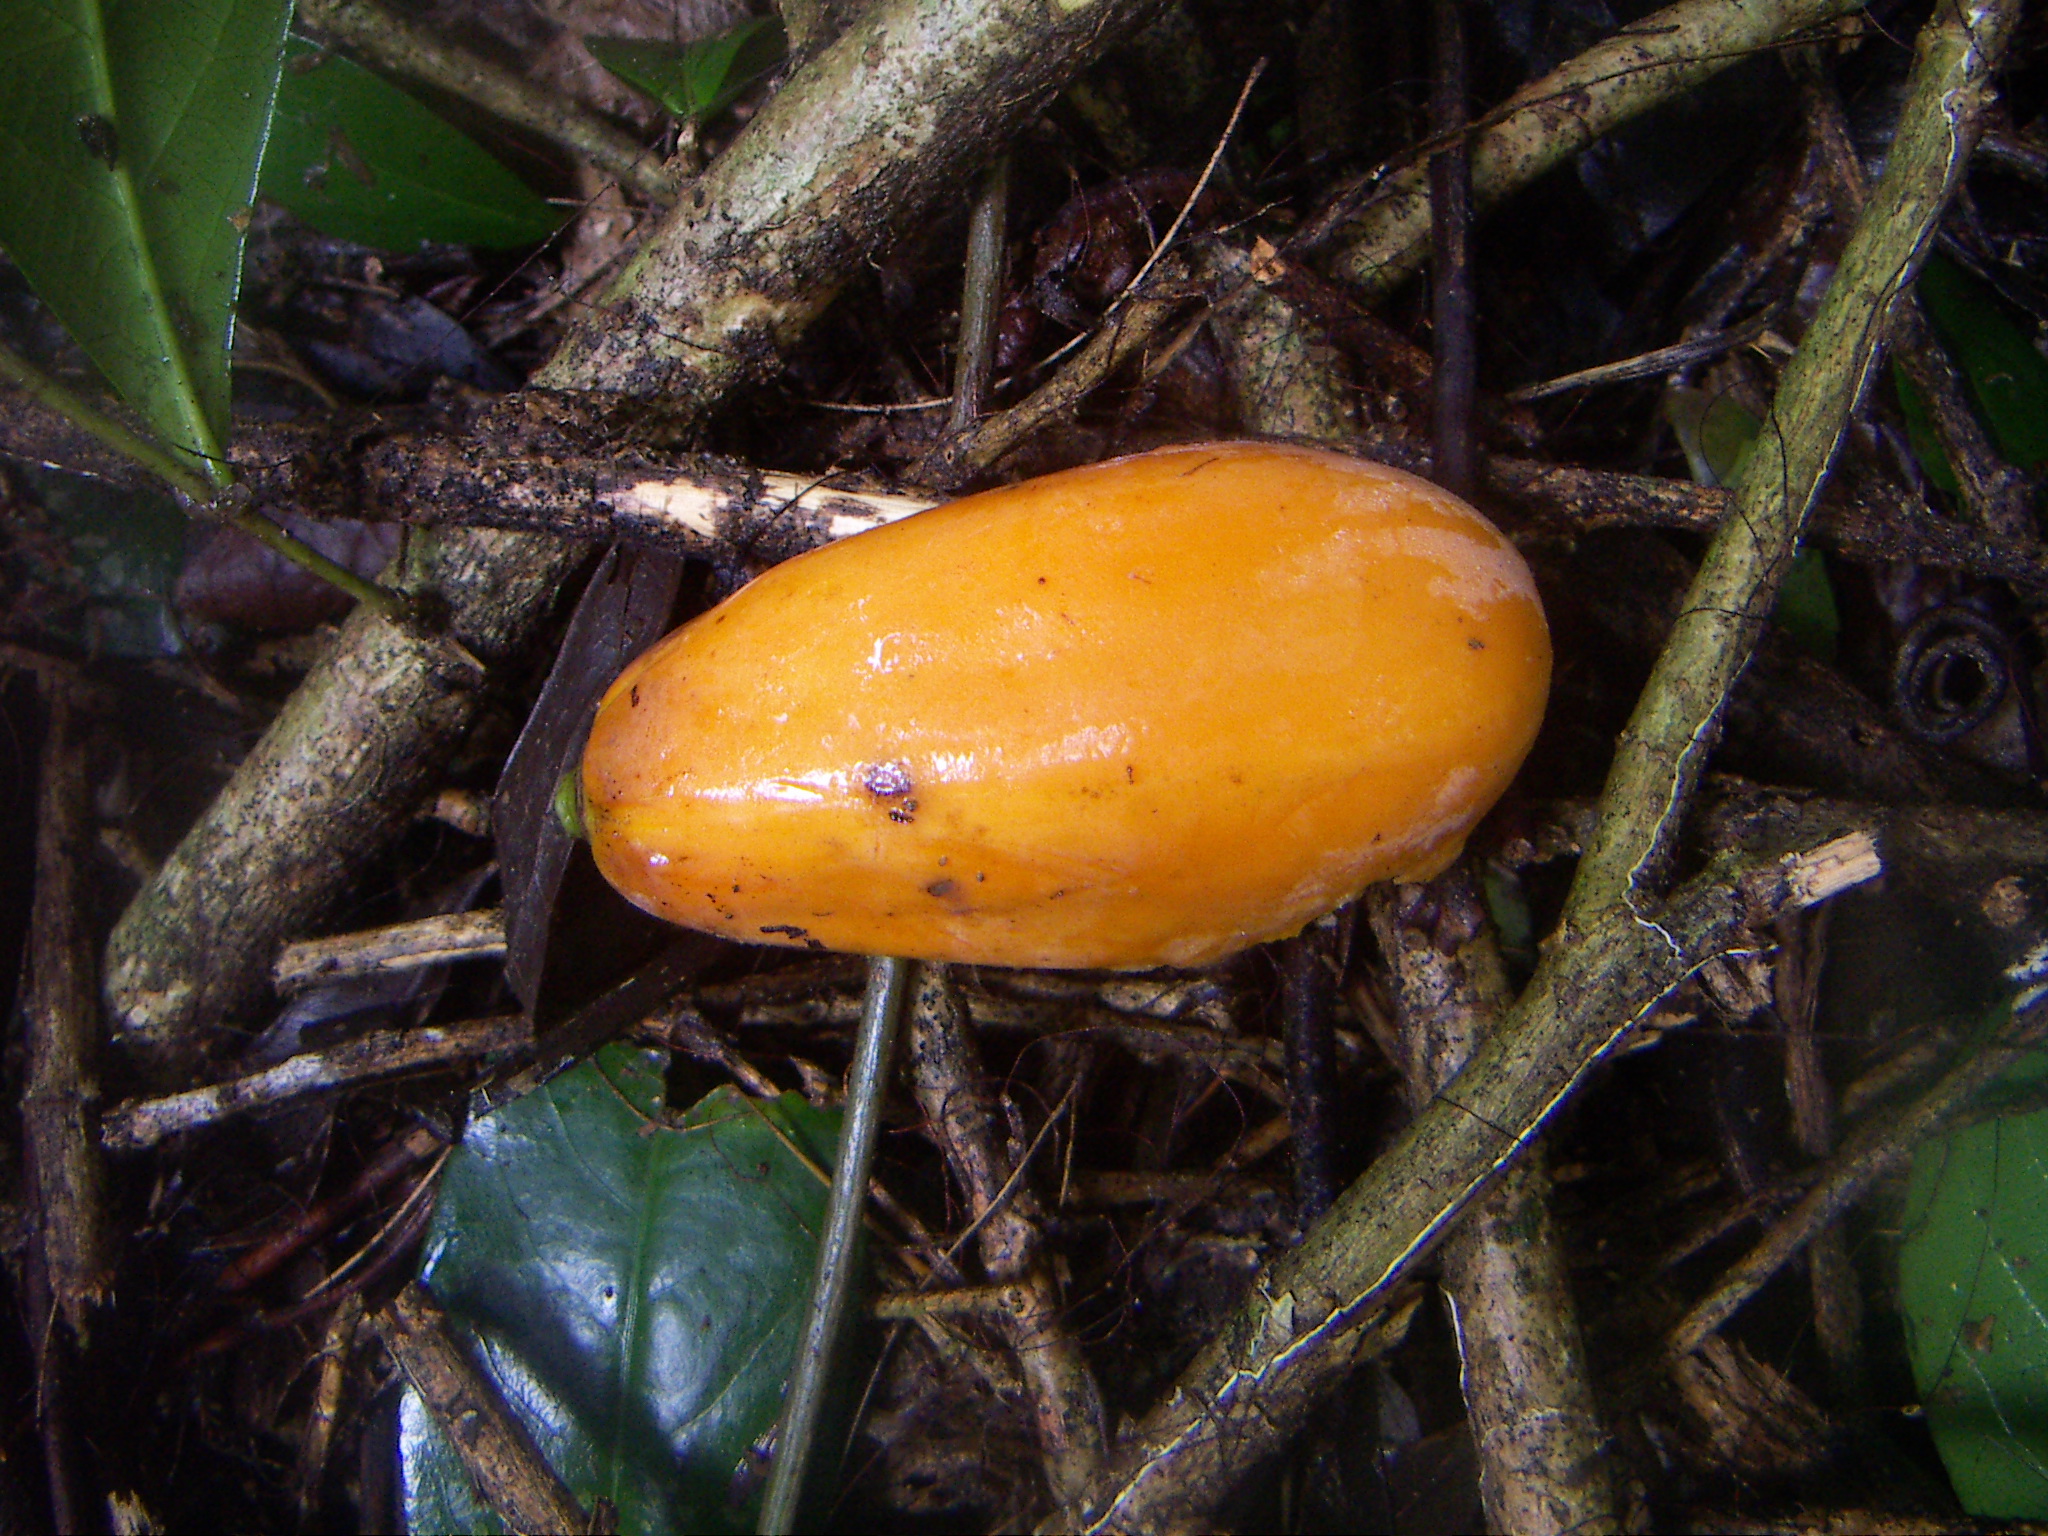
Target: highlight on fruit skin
x,y
1147,712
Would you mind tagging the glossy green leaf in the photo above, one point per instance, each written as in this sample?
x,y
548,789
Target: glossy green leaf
x,y
1973,1284
358,159
637,1289
130,132
695,80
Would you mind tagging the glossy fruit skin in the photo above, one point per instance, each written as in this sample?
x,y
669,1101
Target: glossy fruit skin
x,y
1148,712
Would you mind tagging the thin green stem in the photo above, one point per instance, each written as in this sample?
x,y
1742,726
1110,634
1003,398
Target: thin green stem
x,y
117,435
193,489
378,599
832,1289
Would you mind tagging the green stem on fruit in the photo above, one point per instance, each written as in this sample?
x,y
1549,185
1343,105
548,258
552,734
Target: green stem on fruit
x,y
832,1289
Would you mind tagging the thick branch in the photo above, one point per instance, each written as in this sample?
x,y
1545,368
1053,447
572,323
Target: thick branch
x,y
1253,1386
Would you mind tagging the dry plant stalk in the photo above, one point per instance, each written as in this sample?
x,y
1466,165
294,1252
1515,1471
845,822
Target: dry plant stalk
x,y
412,946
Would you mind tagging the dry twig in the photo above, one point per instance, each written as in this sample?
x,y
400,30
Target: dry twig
x,y
368,30
142,1123
510,1474
412,946
60,1101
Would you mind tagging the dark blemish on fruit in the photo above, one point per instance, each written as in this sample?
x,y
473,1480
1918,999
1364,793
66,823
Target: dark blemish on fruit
x,y
904,814
885,781
978,875
1056,895
1475,643
1041,581
940,888
944,861
1130,774
633,697
791,931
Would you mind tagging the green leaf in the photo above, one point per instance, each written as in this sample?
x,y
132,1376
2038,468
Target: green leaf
x,y
358,159
130,131
1973,1283
1806,612
1714,430
1921,434
695,80
2006,376
636,1288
